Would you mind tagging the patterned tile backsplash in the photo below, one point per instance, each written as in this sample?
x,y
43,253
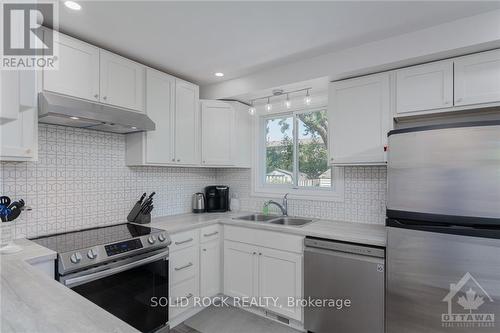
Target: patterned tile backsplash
x,y
80,180
364,196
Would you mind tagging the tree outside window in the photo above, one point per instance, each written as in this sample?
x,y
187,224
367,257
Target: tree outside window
x,y
296,150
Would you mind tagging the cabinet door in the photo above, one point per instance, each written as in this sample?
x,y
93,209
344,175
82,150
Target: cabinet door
x,y
217,128
280,276
242,147
477,78
160,97
122,81
187,149
240,269
78,72
424,87
359,119
9,96
19,137
210,269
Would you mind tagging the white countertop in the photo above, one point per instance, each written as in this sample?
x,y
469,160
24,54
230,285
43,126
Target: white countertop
x,y
32,302
363,233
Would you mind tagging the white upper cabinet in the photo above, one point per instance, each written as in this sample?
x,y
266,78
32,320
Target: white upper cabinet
x,y
477,78
122,81
424,87
359,118
187,150
19,134
78,71
160,98
9,96
242,146
217,127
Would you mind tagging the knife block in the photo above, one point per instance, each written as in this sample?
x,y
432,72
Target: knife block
x,y
143,218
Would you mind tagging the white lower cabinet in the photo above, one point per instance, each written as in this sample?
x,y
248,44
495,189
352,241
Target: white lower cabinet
x,y
183,274
252,265
240,269
257,270
210,268
280,277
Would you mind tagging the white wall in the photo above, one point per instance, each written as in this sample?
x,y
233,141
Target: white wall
x,y
472,34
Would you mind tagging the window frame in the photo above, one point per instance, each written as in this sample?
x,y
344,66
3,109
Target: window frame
x,y
261,188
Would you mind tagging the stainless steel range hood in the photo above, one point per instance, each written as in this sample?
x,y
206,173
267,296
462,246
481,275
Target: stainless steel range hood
x,y
68,111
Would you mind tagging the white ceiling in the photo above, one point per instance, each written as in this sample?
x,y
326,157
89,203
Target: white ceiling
x,y
195,39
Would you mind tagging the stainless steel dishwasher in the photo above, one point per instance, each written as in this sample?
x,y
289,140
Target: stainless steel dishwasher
x,y
342,271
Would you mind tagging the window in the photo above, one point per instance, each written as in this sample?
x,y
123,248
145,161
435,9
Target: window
x,y
293,155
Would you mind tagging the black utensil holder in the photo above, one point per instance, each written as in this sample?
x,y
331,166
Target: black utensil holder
x,y
143,218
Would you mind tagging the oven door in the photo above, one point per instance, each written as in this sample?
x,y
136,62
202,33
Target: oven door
x,y
133,289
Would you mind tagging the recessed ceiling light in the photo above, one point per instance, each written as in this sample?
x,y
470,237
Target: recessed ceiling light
x,y
72,5
74,118
219,74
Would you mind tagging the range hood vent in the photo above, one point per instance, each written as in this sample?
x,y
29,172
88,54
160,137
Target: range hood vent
x,y
68,111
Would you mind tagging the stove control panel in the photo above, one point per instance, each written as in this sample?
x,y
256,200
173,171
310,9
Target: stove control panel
x,y
121,247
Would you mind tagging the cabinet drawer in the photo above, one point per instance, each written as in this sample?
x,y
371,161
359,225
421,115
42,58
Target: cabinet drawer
x,y
183,264
210,233
183,240
182,296
270,239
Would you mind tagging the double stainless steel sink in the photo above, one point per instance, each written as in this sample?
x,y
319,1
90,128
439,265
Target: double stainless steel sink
x,y
276,219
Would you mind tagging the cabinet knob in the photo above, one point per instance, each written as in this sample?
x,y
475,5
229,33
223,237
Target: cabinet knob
x,y
260,254
204,162
178,160
28,151
173,160
458,100
205,250
447,102
96,96
255,253
105,98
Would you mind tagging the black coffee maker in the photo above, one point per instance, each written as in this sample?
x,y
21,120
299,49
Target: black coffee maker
x,y
217,198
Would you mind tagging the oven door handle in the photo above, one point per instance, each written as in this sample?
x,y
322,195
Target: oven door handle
x,y
73,282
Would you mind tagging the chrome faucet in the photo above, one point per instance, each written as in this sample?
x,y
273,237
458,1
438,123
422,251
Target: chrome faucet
x,y
283,207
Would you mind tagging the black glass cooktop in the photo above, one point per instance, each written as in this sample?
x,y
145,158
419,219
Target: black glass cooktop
x,y
81,239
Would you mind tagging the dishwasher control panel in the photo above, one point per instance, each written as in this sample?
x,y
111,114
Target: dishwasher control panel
x,y
366,250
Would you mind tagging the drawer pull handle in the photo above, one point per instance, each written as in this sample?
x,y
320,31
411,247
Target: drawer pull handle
x,y
184,267
188,296
211,234
184,241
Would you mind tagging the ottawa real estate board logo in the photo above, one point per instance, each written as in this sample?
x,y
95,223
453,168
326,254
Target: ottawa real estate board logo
x,y
28,38
465,299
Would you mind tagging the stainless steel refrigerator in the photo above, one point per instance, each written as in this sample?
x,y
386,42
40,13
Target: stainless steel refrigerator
x,y
443,219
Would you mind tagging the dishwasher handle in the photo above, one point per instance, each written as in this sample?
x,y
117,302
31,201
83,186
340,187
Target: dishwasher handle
x,y
363,250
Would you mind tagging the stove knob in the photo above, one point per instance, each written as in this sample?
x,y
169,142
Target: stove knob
x,y
161,237
75,257
92,254
151,240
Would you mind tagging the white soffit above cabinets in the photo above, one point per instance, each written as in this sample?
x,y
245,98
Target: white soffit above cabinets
x,y
194,40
